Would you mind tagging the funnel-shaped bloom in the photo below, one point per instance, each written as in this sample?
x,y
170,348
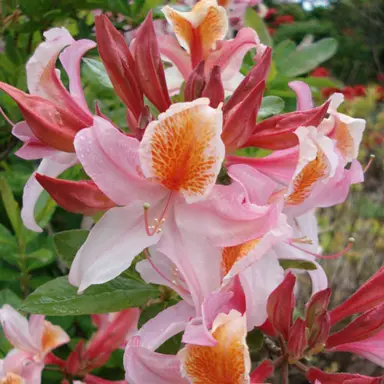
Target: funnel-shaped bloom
x,y
52,115
32,340
227,360
176,163
201,32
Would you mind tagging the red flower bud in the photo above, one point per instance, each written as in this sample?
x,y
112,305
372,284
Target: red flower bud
x,y
214,88
149,67
119,63
365,326
317,305
280,305
319,332
195,84
340,378
76,196
369,295
277,132
262,372
297,340
50,123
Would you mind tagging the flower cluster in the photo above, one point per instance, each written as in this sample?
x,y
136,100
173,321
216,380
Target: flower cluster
x,y
225,232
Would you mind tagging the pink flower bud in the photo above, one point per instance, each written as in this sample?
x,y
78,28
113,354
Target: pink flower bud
x,y
319,332
214,89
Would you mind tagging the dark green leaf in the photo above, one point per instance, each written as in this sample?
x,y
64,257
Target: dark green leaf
x,y
253,20
7,274
59,298
255,340
9,297
271,105
67,244
40,258
307,58
297,264
95,72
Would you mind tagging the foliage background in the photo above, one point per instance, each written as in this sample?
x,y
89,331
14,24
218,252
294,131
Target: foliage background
x,y
28,260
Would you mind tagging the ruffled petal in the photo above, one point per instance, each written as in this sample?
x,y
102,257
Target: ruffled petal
x,y
111,246
70,59
144,366
110,158
166,324
32,190
16,329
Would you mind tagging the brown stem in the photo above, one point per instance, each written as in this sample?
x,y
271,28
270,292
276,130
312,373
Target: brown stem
x,y
284,373
301,367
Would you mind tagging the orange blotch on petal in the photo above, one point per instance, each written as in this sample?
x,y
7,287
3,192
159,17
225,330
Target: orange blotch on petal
x,y
12,378
230,255
344,140
213,28
181,26
183,149
226,363
53,336
304,182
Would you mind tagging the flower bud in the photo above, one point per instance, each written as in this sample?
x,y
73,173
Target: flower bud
x,y
297,341
316,306
280,305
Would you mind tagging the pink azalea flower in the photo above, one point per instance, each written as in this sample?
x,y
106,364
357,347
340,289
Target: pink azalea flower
x,y
201,32
33,340
230,350
44,136
149,180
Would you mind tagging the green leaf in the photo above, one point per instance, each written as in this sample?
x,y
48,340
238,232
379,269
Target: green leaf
x,y
11,207
321,82
283,49
255,340
253,20
271,105
307,58
59,298
8,243
9,297
95,72
67,243
7,274
297,264
40,258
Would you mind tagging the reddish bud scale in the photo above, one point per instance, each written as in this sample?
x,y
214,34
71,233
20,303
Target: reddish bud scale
x,y
119,63
277,132
82,197
149,66
50,123
280,305
195,84
214,89
262,372
340,378
319,332
317,305
297,341
369,295
365,326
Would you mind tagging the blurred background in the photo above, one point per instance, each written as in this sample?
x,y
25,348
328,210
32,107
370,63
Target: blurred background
x,y
349,59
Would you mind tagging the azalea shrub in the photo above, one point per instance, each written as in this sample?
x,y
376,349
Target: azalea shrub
x,y
187,160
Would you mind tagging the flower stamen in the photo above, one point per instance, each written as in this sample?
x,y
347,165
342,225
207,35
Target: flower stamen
x,y
371,159
158,222
351,241
171,282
